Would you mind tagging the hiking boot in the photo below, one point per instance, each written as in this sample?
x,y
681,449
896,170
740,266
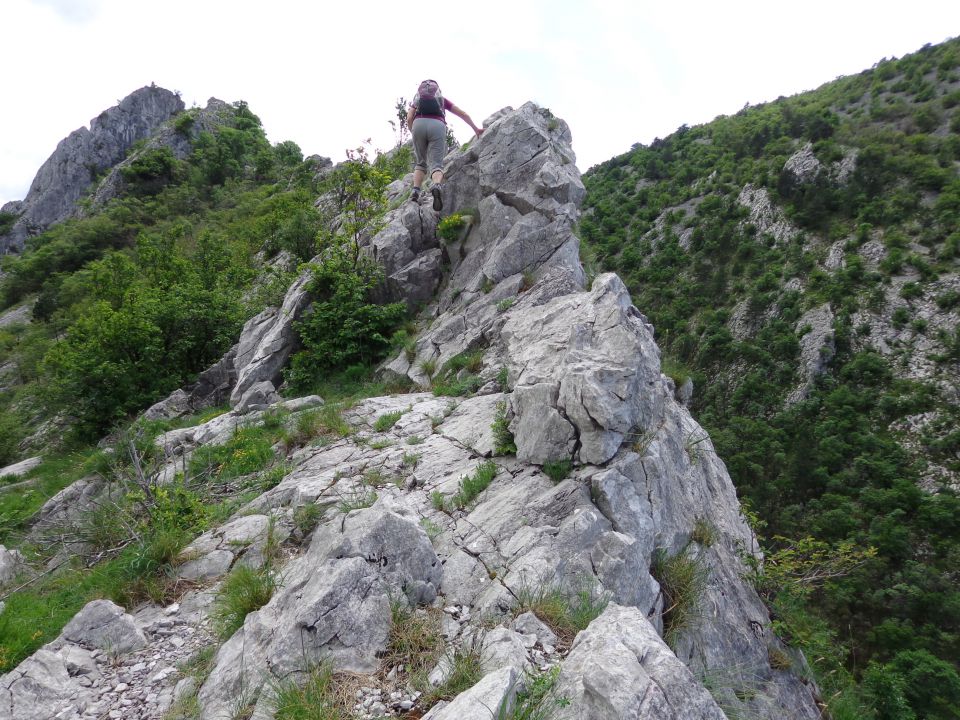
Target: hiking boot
x,y
437,200
415,196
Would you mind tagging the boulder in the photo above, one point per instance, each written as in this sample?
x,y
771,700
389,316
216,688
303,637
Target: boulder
x,y
10,563
334,604
104,626
620,668
21,468
268,340
492,697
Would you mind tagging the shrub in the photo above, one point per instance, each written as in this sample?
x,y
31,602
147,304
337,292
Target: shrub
x,y
344,326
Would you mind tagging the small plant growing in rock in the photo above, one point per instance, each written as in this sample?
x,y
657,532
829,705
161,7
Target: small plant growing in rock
x,y
472,485
438,501
537,700
502,378
527,280
307,517
356,500
323,695
564,612
466,662
558,470
414,440
487,285
504,305
691,445
387,421
244,590
503,443
411,459
779,660
449,228
415,642
429,367
703,533
374,478
683,579
430,528
380,444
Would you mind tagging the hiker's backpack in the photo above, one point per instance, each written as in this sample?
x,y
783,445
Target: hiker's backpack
x,y
429,99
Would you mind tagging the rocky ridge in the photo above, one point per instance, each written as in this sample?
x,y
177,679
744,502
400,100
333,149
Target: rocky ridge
x,y
68,173
574,371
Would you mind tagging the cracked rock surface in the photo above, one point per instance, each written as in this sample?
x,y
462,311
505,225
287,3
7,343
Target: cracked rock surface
x,y
574,373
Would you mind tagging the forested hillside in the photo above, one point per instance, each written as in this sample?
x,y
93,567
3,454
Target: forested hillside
x,y
799,263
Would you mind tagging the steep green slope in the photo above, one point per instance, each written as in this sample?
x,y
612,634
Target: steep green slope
x,y
799,261
132,300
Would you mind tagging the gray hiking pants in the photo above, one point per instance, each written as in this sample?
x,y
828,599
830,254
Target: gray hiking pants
x,y
429,143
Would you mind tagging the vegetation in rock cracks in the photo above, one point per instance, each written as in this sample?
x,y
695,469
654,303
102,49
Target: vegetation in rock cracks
x,y
866,456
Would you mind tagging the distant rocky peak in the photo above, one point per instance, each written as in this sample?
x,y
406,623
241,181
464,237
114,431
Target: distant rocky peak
x,y
66,175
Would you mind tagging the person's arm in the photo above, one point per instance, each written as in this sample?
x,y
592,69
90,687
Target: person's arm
x,y
411,114
466,118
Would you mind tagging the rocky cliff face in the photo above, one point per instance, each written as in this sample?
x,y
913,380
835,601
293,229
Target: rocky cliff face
x,y
81,156
573,368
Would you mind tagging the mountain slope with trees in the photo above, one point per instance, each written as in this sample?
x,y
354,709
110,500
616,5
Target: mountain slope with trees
x,y
799,263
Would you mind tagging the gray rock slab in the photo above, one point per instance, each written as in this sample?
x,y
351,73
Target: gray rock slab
x,y
208,567
10,564
492,697
620,668
21,468
471,424
106,626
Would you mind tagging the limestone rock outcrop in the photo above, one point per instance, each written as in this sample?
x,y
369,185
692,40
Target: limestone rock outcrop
x,y
68,173
403,520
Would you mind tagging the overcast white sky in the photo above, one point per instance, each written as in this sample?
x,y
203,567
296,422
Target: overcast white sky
x,y
327,74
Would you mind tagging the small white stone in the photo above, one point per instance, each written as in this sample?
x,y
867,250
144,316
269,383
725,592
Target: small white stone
x,y
120,687
172,609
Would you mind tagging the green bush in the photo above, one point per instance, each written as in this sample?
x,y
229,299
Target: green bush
x,y
344,325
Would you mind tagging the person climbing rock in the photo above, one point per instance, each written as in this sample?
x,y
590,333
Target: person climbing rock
x,y
427,121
